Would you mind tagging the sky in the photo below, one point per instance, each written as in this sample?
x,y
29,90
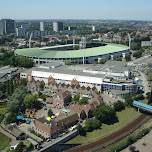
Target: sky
x,y
76,9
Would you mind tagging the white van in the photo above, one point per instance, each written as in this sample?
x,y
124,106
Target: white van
x,y
73,128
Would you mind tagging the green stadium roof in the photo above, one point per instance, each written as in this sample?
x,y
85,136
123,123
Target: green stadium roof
x,y
42,53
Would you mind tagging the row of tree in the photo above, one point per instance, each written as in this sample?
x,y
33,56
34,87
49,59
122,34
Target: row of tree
x,y
8,58
9,87
149,74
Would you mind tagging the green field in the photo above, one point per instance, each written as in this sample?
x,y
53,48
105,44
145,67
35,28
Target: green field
x,y
4,141
124,117
144,101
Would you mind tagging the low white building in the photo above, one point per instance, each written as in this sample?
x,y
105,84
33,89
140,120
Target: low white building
x,y
114,75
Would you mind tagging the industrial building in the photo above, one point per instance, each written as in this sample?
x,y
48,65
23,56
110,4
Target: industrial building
x,y
113,75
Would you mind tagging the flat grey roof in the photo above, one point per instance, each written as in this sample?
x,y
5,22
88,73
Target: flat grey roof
x,y
114,66
64,70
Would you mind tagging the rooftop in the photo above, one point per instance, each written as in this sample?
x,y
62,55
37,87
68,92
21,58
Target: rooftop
x,y
44,53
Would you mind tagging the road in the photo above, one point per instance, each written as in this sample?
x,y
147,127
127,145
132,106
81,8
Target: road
x,y
143,60
144,82
129,127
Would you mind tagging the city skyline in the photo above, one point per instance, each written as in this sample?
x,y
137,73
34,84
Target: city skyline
x,y
87,9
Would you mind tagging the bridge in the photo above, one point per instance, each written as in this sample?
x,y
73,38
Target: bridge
x,y
142,106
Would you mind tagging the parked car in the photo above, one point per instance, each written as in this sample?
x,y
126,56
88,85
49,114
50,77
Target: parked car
x,y
73,128
60,135
66,131
48,140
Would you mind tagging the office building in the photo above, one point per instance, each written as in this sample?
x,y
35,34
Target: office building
x,y
9,26
57,26
25,26
94,28
20,32
1,28
71,28
42,26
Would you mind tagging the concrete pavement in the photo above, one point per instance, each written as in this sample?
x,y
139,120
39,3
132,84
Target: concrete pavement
x,y
144,82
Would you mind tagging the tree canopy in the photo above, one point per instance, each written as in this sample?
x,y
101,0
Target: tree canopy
x,y
50,112
82,101
128,99
16,103
11,118
119,105
92,124
104,113
128,57
31,101
8,58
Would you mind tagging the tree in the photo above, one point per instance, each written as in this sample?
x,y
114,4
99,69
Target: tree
x,y
41,86
137,54
2,50
149,76
128,57
84,101
16,103
138,97
20,147
104,113
118,106
79,129
132,148
102,61
43,96
92,124
11,118
87,126
83,115
31,101
128,99
50,112
150,98
131,140
95,123
147,95
76,97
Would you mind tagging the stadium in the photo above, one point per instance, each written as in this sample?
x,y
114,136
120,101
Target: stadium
x,y
74,53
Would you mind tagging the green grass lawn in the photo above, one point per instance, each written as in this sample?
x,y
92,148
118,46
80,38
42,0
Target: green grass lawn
x,y
144,101
124,117
4,141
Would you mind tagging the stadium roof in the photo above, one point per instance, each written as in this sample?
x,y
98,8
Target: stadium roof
x,y
44,53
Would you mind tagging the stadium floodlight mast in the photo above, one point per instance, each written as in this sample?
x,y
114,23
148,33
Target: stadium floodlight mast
x,y
30,40
129,41
74,40
83,45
